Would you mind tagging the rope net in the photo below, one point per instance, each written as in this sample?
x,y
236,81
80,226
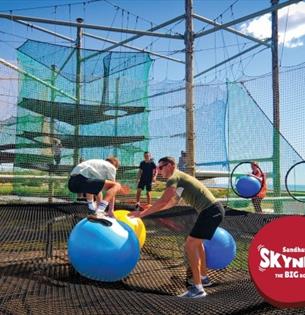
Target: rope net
x,y
82,104
37,278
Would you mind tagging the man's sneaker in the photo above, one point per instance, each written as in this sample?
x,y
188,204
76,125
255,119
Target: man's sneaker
x,y
137,207
194,293
205,282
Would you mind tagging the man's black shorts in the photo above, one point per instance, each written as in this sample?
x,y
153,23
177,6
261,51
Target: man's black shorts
x,y
82,184
141,185
207,221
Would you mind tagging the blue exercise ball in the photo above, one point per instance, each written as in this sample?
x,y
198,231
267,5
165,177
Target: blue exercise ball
x,y
220,250
104,251
248,186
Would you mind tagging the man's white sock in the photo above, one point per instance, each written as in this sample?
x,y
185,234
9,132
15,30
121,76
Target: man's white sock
x,y
199,287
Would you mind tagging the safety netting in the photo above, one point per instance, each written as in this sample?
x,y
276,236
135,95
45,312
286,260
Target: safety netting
x,y
37,278
234,124
75,104
86,104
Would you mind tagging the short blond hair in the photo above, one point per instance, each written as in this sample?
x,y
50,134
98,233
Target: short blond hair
x,y
114,161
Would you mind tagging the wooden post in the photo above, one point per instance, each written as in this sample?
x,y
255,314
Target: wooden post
x,y
189,105
276,109
78,87
117,95
51,138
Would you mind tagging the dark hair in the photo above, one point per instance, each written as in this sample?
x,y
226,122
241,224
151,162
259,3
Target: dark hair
x,y
168,159
146,152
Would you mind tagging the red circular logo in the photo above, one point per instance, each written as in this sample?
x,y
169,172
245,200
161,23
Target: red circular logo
x,y
277,262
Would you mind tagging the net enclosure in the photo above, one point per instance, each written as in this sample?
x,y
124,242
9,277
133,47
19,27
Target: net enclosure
x,y
75,104
37,278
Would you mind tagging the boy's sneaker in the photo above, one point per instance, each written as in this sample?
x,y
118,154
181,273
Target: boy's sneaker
x,y
97,215
90,212
205,282
193,292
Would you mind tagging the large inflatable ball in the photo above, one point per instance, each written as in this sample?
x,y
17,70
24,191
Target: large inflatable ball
x,y
220,250
136,224
248,186
103,250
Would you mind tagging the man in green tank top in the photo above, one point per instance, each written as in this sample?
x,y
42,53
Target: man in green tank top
x,y
210,214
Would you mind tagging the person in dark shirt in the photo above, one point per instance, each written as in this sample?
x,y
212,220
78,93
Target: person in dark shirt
x,y
146,176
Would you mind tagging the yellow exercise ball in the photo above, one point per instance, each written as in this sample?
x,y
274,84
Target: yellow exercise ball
x,y
135,223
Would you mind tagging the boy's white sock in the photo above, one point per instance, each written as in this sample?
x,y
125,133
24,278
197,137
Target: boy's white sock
x,y
102,205
91,205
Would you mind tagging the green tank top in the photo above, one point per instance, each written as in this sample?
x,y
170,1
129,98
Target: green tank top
x,y
194,192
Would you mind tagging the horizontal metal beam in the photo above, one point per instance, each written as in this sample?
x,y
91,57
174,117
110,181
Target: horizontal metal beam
x,y
157,27
247,17
42,29
132,47
10,65
227,60
178,18
89,26
229,29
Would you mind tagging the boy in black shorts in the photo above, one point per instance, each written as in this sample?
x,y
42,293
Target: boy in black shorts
x,y
91,177
146,176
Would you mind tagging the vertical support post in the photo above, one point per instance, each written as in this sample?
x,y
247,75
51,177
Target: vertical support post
x,y
52,129
117,94
189,104
276,109
78,87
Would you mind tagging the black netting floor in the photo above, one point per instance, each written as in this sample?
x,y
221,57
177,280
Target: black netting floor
x,y
36,277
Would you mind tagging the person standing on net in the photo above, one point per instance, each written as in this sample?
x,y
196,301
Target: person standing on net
x,y
91,177
210,214
257,200
146,176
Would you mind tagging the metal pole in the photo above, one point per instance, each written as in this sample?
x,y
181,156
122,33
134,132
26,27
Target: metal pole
x,y
229,29
89,26
52,129
245,18
132,47
276,108
6,63
117,94
189,113
78,87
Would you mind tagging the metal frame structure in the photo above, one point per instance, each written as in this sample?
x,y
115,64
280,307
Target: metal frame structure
x,y
189,38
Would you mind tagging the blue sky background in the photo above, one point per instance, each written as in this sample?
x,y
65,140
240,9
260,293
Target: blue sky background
x,y
143,14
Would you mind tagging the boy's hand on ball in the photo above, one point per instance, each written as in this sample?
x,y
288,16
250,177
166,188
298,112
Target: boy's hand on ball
x,y
124,190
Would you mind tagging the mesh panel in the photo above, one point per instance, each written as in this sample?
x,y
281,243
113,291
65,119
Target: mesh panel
x,y
76,103
36,277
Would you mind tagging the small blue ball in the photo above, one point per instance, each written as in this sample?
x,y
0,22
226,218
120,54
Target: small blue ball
x,y
101,252
248,186
220,250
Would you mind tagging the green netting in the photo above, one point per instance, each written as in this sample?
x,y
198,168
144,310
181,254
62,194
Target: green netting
x,y
80,100
119,113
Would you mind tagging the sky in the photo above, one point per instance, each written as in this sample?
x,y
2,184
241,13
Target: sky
x,y
142,14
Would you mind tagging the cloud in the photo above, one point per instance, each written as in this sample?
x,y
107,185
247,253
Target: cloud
x,y
291,26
